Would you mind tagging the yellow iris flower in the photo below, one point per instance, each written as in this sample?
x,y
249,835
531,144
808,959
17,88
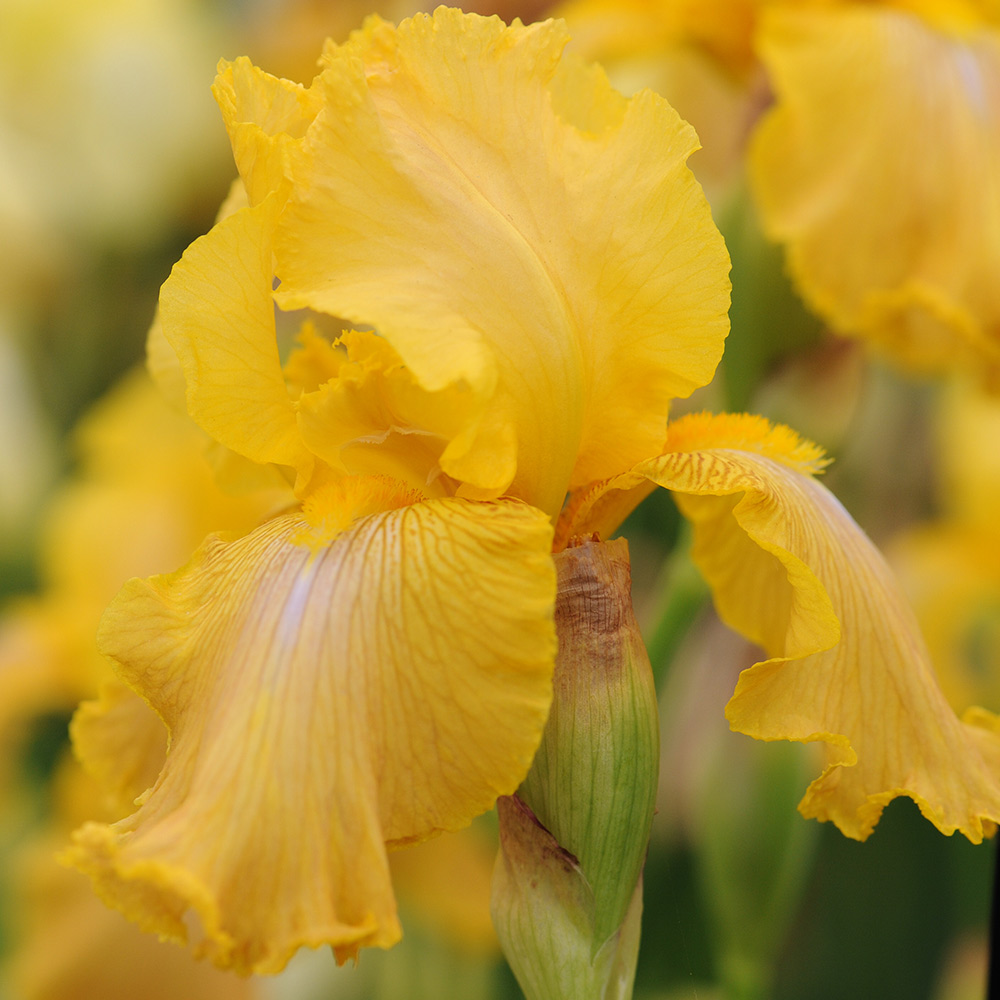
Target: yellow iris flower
x,y
374,666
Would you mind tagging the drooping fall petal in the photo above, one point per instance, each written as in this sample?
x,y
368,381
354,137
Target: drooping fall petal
x,y
121,742
325,696
879,107
791,570
511,224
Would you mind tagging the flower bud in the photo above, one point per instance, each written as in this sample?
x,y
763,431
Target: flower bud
x,y
566,896
543,912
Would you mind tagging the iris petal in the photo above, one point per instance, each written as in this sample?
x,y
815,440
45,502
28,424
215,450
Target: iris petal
x,y
321,703
217,314
512,225
791,570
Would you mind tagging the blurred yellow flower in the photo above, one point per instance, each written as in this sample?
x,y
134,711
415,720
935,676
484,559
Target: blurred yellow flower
x,y
873,148
879,169
27,448
63,944
374,666
107,143
950,566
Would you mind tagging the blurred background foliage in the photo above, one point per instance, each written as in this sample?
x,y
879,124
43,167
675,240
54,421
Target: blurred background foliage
x,y
112,160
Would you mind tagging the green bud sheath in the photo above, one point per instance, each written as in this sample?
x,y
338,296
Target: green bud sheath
x,y
589,796
543,910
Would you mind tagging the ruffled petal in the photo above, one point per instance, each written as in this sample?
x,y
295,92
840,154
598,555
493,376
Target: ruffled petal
x,y
877,107
695,53
371,416
512,225
324,698
791,571
162,362
217,313
121,743
265,117
602,506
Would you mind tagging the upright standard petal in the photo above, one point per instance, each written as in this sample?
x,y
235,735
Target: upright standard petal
x,y
217,313
879,168
324,699
792,571
265,117
511,224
